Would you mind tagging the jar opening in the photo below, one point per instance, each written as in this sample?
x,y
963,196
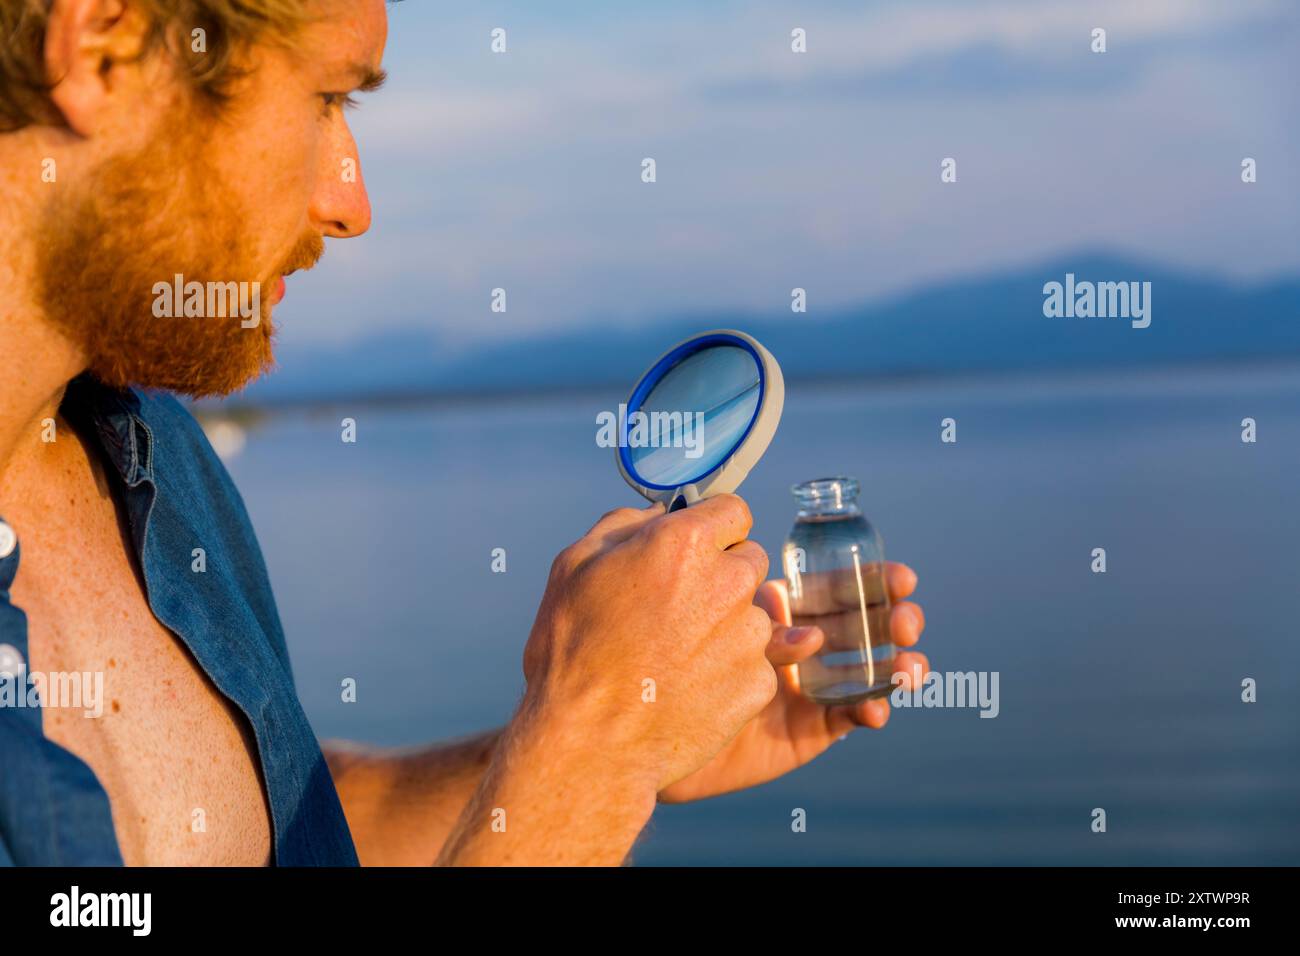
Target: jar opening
x,y
826,495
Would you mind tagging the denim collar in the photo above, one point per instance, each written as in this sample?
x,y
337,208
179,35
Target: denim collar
x,y
114,414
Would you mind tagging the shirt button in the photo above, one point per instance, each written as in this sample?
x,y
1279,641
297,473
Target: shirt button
x,y
8,540
11,662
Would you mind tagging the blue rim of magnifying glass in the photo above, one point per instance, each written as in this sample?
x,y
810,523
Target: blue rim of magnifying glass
x,y
656,374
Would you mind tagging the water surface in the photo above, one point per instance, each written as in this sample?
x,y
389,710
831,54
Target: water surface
x,y
1118,690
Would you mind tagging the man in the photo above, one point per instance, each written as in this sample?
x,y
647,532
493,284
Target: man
x,y
153,147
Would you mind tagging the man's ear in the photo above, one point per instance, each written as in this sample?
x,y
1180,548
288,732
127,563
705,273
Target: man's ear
x,y
92,51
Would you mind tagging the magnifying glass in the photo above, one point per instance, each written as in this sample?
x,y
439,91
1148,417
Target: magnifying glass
x,y
700,417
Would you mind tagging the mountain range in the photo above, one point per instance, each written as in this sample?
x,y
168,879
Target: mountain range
x,y
992,323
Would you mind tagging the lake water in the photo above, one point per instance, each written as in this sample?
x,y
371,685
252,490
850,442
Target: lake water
x,y
1119,690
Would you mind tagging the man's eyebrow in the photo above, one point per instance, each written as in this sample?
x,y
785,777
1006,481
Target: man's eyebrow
x,y
369,78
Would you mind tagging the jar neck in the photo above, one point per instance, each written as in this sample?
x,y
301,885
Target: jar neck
x,y
827,496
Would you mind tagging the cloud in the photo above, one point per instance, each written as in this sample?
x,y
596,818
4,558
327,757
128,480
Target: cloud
x,y
972,48
818,170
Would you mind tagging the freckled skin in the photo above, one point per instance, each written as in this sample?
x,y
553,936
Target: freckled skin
x,y
168,743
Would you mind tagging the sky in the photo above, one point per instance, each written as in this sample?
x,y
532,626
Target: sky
x,y
819,170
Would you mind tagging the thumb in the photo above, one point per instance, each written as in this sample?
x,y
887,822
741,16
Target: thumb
x,y
773,598
793,645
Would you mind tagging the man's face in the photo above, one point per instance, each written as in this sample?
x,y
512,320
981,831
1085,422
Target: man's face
x,y
229,201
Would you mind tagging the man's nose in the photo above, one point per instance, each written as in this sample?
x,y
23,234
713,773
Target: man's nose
x,y
341,206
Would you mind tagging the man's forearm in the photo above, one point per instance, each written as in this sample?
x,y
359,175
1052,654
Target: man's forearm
x,y
401,804
547,800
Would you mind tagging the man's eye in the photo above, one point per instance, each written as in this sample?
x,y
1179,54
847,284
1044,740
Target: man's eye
x,y
333,101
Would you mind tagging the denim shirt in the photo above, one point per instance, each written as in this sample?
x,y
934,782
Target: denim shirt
x,y
177,497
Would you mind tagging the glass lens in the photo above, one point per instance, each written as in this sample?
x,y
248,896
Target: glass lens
x,y
695,417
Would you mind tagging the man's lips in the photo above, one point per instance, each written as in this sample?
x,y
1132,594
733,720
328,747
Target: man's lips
x,y
280,288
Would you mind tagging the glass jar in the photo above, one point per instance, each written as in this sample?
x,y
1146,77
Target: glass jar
x,y
835,571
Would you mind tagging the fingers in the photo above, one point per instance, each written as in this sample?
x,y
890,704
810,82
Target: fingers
x,y
613,528
621,523
790,645
901,578
914,666
873,713
825,592
906,622
724,519
774,598
752,553
906,619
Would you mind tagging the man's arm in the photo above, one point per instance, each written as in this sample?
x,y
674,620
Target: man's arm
x,y
646,656
533,793
560,791
401,803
